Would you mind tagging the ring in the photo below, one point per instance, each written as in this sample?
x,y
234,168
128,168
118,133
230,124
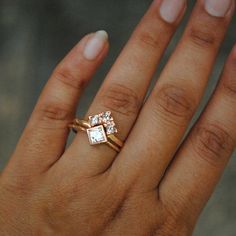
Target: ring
x,y
100,129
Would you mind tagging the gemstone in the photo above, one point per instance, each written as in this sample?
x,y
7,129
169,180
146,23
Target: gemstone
x,y
94,120
110,128
97,135
106,117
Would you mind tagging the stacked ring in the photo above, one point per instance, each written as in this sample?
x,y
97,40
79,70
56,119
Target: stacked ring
x,y
100,129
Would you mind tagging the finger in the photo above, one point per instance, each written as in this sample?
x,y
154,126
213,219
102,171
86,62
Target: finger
x,y
168,111
126,85
44,138
202,158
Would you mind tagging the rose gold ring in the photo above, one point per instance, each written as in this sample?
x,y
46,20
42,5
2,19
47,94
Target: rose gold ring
x,y
100,129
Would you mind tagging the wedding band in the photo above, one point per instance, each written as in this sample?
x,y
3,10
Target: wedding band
x,y
100,129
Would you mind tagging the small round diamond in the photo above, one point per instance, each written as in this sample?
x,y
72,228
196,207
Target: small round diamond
x,y
106,116
94,120
110,128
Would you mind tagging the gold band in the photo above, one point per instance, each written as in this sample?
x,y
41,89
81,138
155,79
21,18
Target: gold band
x,y
111,140
82,123
117,141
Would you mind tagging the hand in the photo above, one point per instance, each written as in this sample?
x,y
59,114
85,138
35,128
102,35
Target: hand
x,y
154,186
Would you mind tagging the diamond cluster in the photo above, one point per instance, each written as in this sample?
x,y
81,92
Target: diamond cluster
x,y
105,119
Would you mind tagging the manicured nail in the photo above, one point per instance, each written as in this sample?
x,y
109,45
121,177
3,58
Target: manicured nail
x,y
170,10
95,45
217,8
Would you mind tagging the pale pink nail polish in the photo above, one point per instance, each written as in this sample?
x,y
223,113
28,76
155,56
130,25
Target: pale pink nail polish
x,y
170,10
217,8
95,45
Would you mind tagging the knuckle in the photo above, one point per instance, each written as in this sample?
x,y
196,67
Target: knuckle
x,y
229,87
175,220
172,224
202,36
148,40
112,199
116,210
228,83
174,102
67,78
121,99
212,143
54,111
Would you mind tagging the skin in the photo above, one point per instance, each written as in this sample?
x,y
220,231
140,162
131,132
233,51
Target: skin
x,y
154,186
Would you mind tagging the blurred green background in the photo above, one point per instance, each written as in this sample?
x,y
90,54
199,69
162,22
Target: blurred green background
x,y
35,35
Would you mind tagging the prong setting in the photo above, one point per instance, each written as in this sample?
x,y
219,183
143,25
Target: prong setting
x,y
95,120
110,128
105,119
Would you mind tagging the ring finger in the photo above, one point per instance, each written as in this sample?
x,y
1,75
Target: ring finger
x,y
126,85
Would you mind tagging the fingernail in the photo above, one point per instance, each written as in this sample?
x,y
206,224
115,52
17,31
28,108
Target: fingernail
x,y
217,8
95,45
170,10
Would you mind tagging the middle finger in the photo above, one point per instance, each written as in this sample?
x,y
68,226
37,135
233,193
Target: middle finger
x,y
167,113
